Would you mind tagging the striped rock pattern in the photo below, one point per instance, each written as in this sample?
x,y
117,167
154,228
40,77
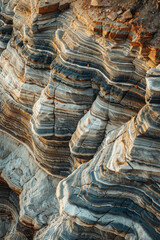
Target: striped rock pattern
x,y
33,186
6,22
79,98
116,195
10,227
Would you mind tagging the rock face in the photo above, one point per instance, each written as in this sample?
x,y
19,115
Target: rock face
x,y
121,165
34,187
10,227
100,3
79,120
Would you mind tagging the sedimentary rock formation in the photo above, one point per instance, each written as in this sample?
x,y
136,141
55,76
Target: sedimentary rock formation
x,y
6,22
117,193
79,109
34,187
10,227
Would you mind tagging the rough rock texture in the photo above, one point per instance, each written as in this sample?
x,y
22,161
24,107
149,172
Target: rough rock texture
x,y
6,22
118,191
10,227
79,119
34,187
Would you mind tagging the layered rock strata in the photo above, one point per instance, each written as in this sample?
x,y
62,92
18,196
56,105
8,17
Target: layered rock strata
x,y
33,186
79,73
117,193
6,22
10,227
79,88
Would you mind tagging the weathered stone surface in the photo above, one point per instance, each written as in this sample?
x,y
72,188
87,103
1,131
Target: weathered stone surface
x,y
18,168
126,15
79,89
10,227
112,16
6,22
117,191
64,4
100,3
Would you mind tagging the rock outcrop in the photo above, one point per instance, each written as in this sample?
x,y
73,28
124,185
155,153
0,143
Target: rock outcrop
x,y
10,227
33,186
6,22
79,120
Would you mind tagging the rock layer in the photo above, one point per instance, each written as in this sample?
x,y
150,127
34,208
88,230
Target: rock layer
x,y
118,191
34,187
6,22
79,89
10,227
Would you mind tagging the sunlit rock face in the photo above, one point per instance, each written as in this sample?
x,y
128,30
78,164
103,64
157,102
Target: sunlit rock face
x,y
79,120
116,194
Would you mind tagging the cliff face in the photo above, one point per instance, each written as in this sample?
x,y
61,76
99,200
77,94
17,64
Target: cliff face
x,y
79,119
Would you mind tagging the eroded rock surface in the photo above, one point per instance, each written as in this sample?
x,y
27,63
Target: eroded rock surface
x,y
36,189
79,109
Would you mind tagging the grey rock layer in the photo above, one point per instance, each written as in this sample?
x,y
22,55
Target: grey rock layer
x,y
118,191
36,190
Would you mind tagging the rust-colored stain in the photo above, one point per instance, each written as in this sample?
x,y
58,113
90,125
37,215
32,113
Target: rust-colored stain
x,y
48,9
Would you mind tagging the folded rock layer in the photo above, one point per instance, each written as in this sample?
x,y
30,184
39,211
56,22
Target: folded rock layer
x,y
117,192
79,109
